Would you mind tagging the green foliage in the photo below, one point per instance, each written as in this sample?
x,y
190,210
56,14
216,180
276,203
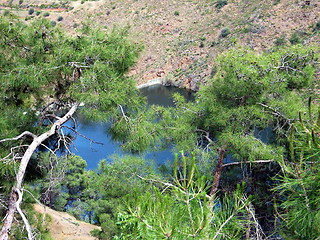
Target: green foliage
x,y
317,27
299,186
220,4
38,13
60,18
280,41
46,14
224,32
182,210
294,38
31,11
6,12
176,13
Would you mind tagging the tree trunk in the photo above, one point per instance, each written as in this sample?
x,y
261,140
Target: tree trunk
x,y
218,171
37,141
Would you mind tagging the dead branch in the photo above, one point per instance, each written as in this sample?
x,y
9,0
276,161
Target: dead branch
x,y
81,135
37,141
25,220
247,162
25,133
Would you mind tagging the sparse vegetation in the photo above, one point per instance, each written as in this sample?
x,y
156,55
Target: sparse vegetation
x,y
176,13
280,41
46,14
6,12
294,38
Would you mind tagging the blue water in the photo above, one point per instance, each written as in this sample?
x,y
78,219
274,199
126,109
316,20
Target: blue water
x,y
106,147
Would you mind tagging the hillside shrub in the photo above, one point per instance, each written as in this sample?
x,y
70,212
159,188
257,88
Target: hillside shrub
x,y
294,38
46,14
224,32
176,13
317,27
38,13
6,12
31,11
60,18
220,4
53,23
280,41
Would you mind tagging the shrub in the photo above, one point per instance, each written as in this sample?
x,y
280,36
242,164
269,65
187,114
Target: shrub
x,y
60,18
280,41
20,2
220,4
46,14
294,39
38,13
317,27
53,23
31,11
6,12
75,25
224,32
201,45
176,13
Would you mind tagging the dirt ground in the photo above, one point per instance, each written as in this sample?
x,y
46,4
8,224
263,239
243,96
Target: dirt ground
x,y
63,226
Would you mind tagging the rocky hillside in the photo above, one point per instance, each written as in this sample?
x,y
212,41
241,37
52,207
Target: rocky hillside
x,y
182,37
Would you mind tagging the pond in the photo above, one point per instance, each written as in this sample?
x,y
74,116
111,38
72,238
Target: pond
x,y
98,132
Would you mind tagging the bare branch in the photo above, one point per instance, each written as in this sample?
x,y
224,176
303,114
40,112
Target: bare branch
x,y
25,220
25,133
246,162
37,141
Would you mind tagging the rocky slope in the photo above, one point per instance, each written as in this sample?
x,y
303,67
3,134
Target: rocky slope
x,y
182,37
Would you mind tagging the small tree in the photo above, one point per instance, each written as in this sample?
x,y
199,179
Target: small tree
x,y
85,69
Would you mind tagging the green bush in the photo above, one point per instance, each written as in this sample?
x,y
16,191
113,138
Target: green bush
x,y
6,12
176,13
31,11
280,41
220,4
20,2
38,13
294,39
53,23
46,14
60,18
224,32
317,27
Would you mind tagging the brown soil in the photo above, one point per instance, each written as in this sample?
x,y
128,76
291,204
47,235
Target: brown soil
x,y
63,226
